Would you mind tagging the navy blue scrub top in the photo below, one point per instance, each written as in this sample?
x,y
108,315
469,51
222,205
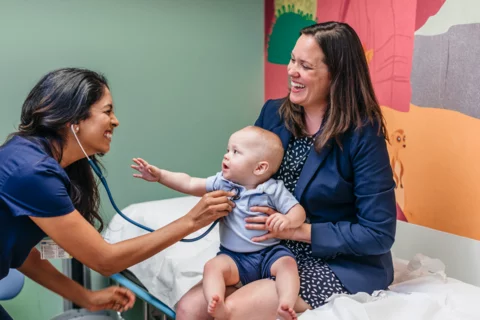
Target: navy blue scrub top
x,y
32,183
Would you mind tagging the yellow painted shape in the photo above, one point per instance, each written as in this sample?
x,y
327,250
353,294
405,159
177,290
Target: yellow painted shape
x,y
306,6
368,55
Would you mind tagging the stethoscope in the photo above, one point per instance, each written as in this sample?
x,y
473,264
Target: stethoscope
x,y
99,174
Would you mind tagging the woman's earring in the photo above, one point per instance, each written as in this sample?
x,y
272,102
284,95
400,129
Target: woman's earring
x,y
76,129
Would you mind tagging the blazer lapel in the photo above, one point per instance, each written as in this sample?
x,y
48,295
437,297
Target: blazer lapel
x,y
313,162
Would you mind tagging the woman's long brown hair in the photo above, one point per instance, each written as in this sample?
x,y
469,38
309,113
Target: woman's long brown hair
x,y
351,101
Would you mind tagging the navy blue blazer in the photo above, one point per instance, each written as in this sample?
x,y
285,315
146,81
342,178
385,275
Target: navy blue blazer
x,y
349,198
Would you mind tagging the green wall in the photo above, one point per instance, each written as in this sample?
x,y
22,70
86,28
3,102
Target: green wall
x,y
184,74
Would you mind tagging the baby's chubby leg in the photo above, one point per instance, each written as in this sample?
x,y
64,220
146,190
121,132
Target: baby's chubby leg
x,y
219,273
288,285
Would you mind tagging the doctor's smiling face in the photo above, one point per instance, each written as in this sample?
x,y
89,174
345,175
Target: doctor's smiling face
x,y
70,96
95,132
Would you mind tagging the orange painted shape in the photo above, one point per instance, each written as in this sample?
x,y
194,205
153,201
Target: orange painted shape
x,y
441,179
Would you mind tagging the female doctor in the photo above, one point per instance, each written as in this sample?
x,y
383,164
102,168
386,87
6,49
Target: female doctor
x,y
48,189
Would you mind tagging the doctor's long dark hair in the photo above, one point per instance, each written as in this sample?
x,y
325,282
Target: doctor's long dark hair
x,y
60,98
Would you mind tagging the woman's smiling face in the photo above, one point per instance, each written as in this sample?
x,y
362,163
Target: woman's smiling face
x,y
308,73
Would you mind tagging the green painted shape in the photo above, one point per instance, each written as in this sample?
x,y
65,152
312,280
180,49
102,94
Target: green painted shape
x,y
285,33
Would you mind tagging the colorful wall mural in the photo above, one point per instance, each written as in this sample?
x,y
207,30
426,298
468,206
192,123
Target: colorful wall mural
x,y
422,57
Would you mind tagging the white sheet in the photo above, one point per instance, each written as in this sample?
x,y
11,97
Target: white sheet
x,y
421,289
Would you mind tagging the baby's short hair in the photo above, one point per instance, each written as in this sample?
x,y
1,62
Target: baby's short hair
x,y
270,147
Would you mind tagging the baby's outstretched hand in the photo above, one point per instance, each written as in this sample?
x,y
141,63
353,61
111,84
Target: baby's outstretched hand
x,y
277,222
147,171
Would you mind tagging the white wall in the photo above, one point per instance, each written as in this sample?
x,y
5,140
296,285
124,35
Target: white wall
x,y
460,255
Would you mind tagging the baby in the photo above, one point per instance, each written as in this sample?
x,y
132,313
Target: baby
x,y
253,156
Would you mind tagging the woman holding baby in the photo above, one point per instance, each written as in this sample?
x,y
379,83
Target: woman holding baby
x,y
337,166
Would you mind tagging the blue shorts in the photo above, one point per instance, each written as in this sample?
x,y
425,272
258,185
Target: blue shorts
x,y
256,265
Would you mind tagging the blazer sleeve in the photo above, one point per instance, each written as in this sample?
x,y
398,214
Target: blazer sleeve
x,y
374,231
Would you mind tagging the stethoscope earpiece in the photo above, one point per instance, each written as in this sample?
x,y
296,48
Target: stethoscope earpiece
x,y
74,131
74,128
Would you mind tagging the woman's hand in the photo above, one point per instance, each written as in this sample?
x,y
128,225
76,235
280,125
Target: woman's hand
x,y
212,206
113,298
260,223
147,171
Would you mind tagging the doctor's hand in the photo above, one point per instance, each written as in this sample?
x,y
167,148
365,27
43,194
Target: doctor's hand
x,y
265,223
212,206
147,171
113,298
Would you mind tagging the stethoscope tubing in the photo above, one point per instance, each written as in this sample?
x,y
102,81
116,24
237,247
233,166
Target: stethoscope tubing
x,y
99,174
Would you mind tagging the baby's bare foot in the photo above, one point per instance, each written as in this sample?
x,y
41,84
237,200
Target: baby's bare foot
x,y
286,313
217,308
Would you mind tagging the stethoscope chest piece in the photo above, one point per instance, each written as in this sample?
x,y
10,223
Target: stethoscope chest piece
x,y
237,194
